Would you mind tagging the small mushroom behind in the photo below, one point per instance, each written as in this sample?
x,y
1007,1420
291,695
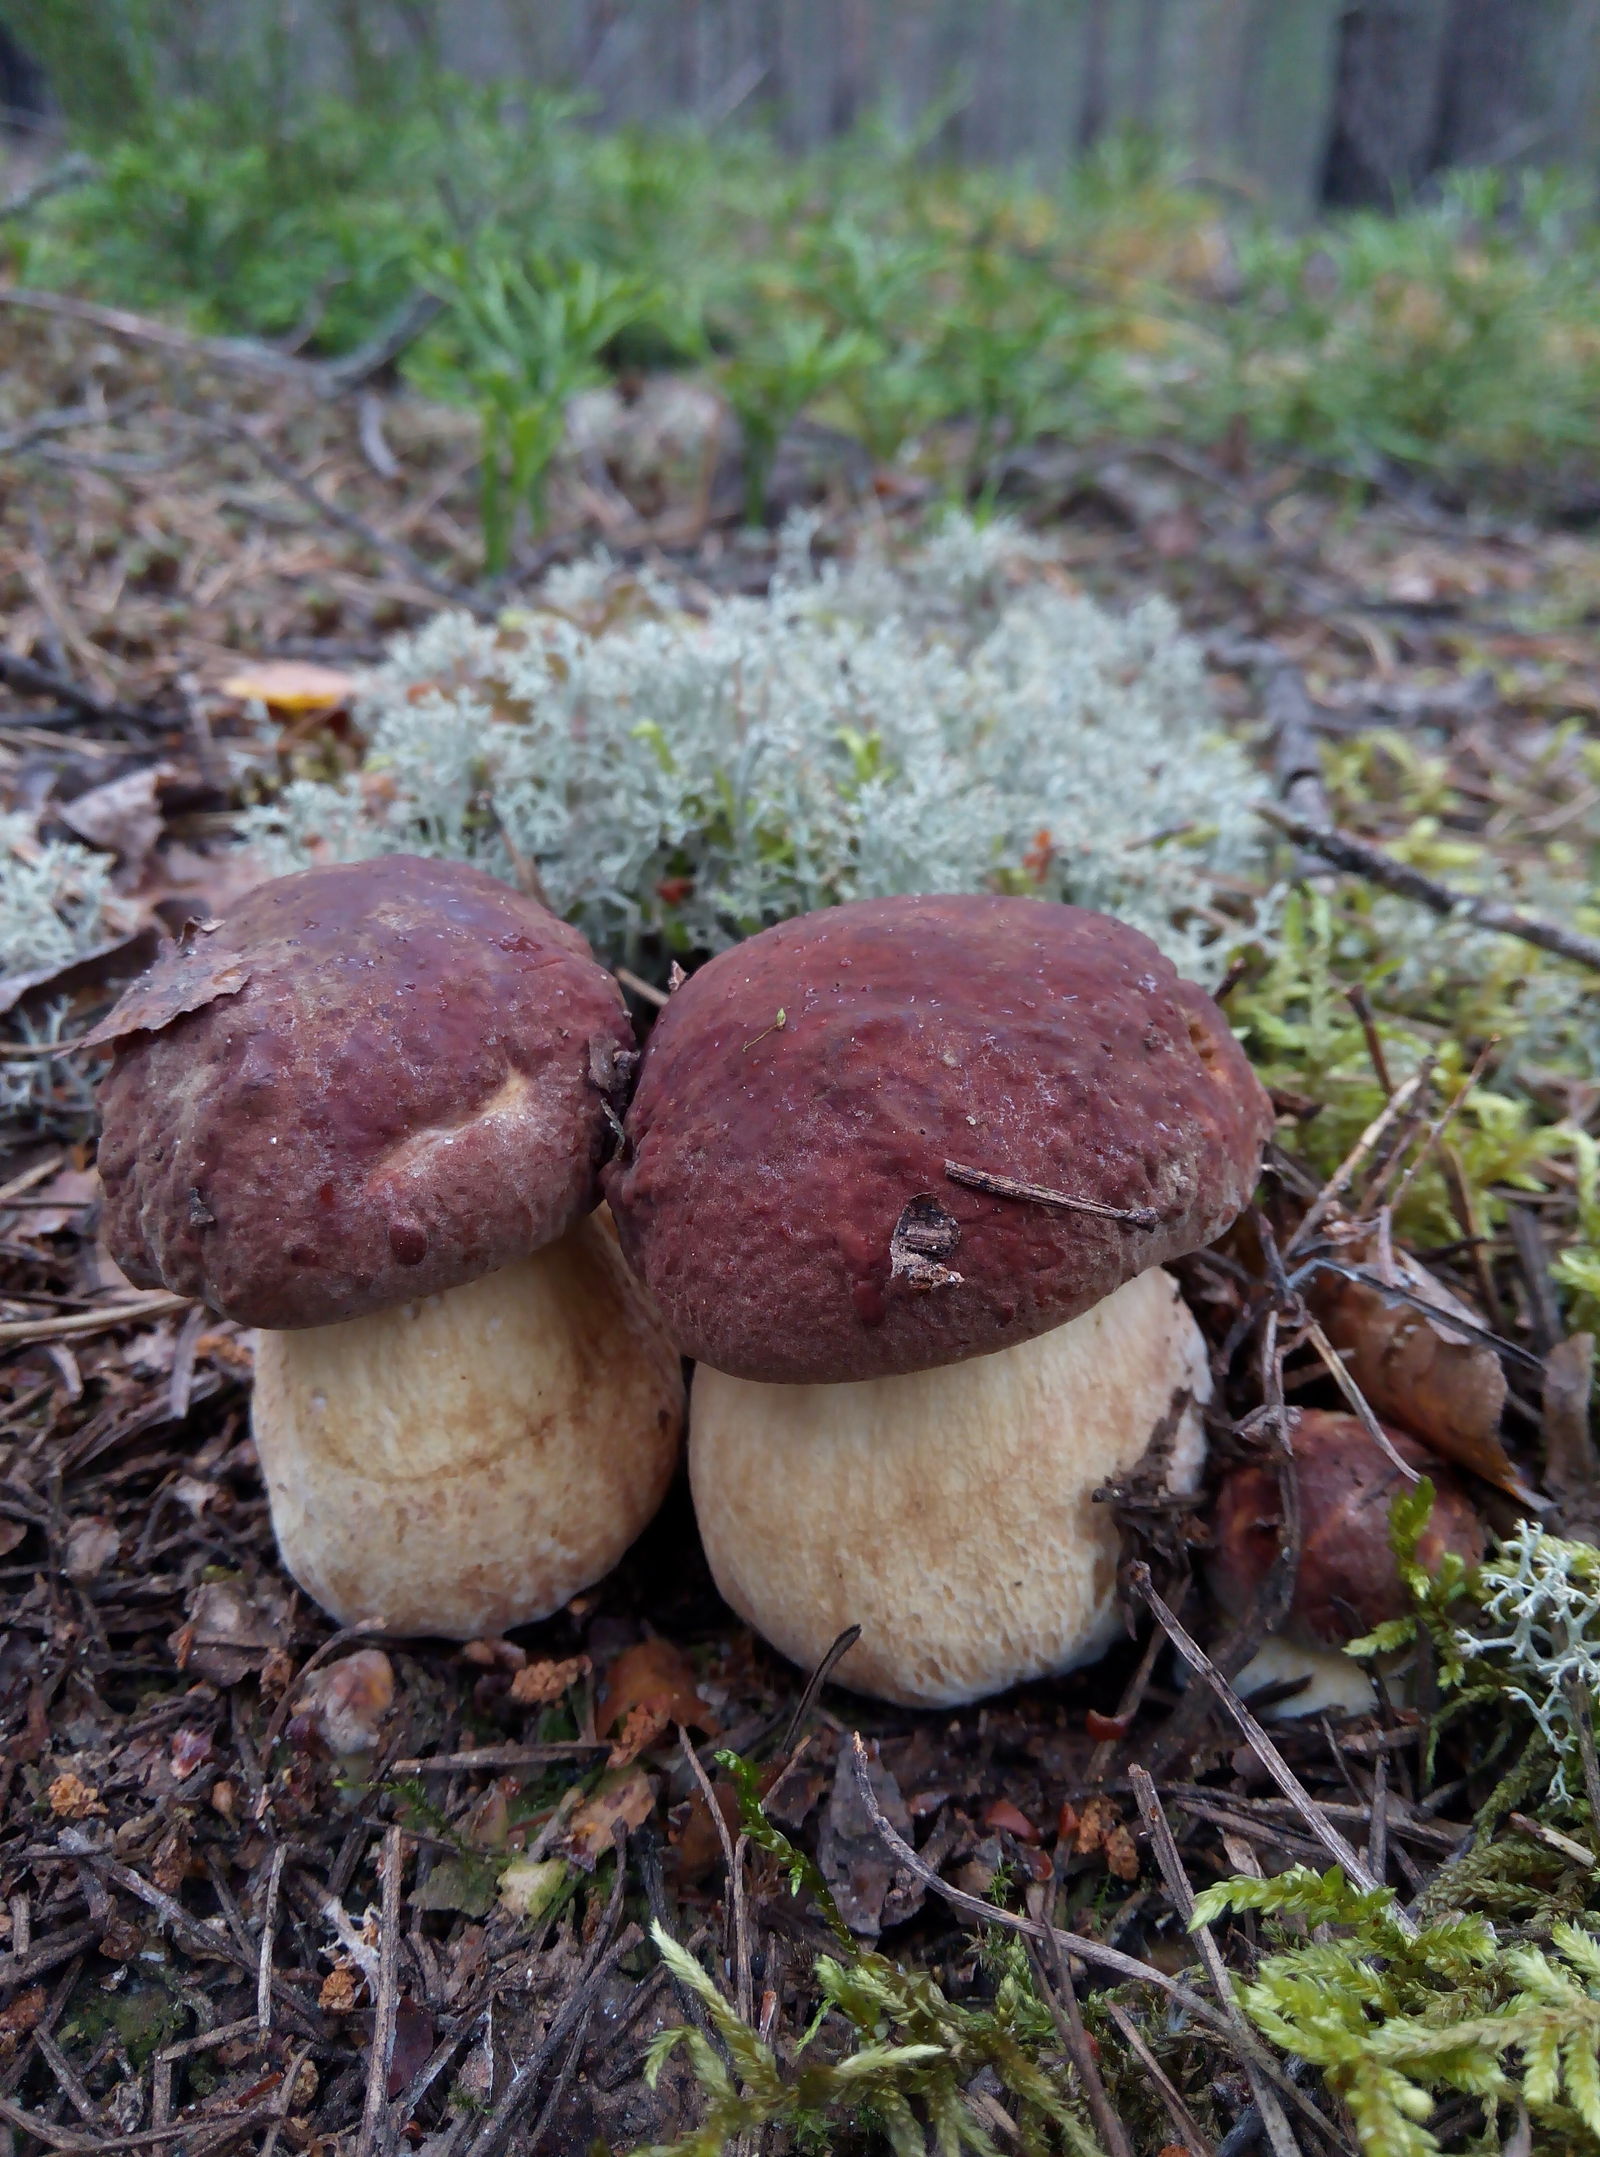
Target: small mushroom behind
x,y
467,1462
1348,1581
902,1177
367,1110
950,1513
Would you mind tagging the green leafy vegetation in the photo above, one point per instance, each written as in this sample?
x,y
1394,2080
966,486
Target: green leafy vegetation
x,y
944,316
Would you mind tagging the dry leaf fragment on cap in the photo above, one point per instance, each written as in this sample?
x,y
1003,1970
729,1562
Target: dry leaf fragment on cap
x,y
291,685
186,977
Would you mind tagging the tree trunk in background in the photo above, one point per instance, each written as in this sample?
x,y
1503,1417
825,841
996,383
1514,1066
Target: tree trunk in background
x,y
1386,101
1093,98
1424,85
1486,110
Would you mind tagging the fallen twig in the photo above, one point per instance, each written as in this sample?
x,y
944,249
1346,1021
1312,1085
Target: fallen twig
x,y
1395,1107
1062,2001
1087,1950
29,679
1182,2118
1273,2117
158,1304
1036,1194
73,170
1333,1363
345,520
575,2011
386,2003
1360,858
1342,1853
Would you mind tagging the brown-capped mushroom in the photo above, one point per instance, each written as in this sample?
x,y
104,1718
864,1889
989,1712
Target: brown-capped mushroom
x,y
1348,1581
901,1176
353,1112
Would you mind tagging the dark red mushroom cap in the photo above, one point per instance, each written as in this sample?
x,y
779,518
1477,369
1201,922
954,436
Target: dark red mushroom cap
x,y
368,1082
1348,1580
786,1189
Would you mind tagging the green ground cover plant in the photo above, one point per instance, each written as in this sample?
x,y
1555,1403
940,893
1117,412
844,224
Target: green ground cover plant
x,y
946,317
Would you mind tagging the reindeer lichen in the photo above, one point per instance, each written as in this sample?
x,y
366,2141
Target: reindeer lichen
x,y
679,772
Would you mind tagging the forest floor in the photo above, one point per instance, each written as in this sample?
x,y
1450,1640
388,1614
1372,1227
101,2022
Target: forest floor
x,y
252,1871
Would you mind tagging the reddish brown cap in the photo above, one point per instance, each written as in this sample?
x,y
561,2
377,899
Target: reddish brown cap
x,y
369,1082
1348,1580
789,1186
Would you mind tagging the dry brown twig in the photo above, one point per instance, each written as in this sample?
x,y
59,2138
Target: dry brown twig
x,y
1061,1999
1260,1744
1360,858
1094,1952
1181,1895
387,2003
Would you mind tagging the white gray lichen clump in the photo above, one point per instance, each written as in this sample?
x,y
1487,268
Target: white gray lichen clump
x,y
1541,1628
679,770
53,898
56,903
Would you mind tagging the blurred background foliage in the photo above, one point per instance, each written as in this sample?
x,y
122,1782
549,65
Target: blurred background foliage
x,y
1145,267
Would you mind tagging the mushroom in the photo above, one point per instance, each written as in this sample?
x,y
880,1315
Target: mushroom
x,y
901,1176
468,1461
367,1111
1348,1581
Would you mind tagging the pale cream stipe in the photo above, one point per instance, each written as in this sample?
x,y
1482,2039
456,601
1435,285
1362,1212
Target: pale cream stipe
x,y
1338,1685
466,1463
949,1512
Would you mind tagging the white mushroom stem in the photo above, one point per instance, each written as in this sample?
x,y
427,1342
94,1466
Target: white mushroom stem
x,y
950,1513
1335,1683
467,1462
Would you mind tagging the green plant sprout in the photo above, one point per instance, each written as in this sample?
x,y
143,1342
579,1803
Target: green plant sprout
x,y
531,332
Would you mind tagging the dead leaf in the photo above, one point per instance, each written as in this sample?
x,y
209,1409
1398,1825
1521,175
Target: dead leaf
x,y
870,1889
1122,1857
59,1202
1440,1383
414,2032
188,1753
529,1886
122,817
343,1990
24,2014
1008,1819
467,1884
1095,1823
695,1838
91,1546
290,685
186,977
70,1798
659,1678
623,1798
538,1684
231,1629
12,1532
923,1235
112,961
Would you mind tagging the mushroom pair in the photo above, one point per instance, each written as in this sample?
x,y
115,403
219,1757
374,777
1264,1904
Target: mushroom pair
x,y
902,1177
367,1113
